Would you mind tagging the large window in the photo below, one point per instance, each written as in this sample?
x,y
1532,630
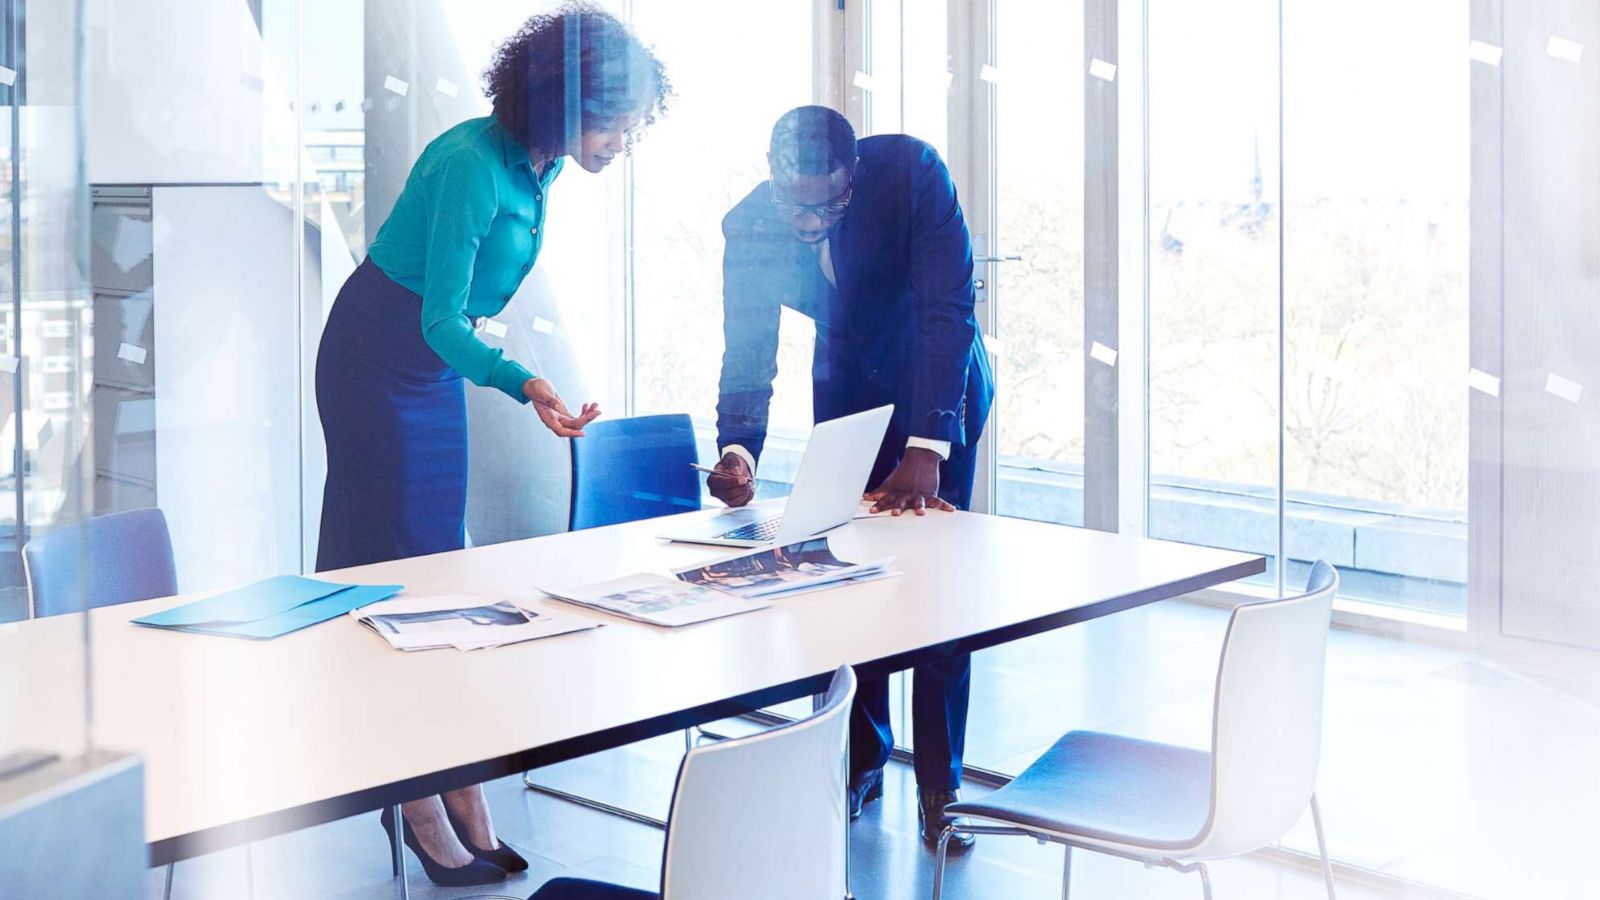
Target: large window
x,y
1376,305
700,161
1036,275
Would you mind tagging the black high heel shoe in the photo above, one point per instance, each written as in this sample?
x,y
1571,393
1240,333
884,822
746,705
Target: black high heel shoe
x,y
502,856
473,873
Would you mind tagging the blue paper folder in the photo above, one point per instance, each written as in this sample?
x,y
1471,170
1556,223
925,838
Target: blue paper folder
x,y
270,608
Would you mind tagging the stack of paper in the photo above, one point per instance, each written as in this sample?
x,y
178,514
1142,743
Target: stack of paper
x,y
461,621
724,587
269,608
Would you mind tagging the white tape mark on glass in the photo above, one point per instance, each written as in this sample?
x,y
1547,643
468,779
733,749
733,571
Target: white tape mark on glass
x,y
1103,70
395,86
133,242
1101,353
997,347
1485,53
543,325
1565,388
41,435
865,82
1483,382
136,416
447,87
8,364
990,74
1561,48
252,82
8,77
494,329
132,353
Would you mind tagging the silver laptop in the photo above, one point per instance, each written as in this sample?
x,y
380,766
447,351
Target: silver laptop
x,y
827,489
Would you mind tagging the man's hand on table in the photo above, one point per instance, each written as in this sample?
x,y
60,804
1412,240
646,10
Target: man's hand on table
x,y
913,486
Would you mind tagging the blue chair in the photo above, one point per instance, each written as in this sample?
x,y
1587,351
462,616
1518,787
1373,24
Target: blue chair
x,y
625,470
104,561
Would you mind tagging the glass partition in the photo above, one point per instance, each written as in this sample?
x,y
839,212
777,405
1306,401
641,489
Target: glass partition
x,y
51,346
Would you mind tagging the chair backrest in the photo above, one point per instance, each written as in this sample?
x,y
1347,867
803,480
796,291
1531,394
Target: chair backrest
x,y
103,561
624,470
764,816
1267,732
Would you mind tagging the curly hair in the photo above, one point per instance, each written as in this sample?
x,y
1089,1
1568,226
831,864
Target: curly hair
x,y
574,70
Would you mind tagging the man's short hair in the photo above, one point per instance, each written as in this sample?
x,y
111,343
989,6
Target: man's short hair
x,y
811,140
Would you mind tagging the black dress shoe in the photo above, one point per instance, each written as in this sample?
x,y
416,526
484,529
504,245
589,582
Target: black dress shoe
x,y
865,787
473,873
930,813
502,856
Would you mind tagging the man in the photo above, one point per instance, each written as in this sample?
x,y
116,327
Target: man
x,y
868,240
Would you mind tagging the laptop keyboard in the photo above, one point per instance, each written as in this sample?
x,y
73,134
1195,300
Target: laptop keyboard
x,y
755,531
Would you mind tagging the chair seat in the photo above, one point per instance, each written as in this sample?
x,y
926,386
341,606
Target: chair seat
x,y
1108,788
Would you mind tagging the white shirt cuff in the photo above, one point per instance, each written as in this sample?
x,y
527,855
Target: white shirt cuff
x,y
741,452
940,447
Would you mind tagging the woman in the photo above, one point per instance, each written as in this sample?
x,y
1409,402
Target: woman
x,y
401,336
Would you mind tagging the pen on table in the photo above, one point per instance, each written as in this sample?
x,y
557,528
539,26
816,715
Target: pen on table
x,y
710,471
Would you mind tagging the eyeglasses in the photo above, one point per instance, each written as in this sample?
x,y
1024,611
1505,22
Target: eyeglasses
x,y
833,209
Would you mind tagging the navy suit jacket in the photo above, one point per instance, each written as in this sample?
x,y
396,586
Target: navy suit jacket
x,y
899,329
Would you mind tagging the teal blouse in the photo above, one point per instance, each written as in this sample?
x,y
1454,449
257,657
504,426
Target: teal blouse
x,y
465,232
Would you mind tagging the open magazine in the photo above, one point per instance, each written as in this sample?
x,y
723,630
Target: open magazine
x,y
806,566
723,587
462,621
658,600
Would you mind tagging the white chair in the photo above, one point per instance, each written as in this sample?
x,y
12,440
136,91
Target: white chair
x,y
759,816
1177,807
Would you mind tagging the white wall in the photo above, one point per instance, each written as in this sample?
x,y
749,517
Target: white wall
x,y
180,92
228,383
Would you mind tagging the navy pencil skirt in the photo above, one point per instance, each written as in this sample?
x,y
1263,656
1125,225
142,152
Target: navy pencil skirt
x,y
394,417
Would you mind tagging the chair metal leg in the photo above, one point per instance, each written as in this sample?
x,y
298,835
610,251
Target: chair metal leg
x,y
399,853
396,858
167,893
1205,879
1322,847
1066,872
938,863
596,805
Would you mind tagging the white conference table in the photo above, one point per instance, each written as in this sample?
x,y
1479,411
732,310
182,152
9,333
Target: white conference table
x,y
243,740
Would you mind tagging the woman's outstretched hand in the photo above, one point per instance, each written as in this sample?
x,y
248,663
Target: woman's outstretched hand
x,y
553,413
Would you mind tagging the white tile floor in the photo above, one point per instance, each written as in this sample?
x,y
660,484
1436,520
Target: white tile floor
x,y
1440,767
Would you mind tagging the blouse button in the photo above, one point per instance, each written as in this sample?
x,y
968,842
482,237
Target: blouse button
x,y
533,230
538,196
526,268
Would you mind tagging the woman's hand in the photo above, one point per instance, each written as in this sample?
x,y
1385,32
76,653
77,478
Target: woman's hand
x,y
553,413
